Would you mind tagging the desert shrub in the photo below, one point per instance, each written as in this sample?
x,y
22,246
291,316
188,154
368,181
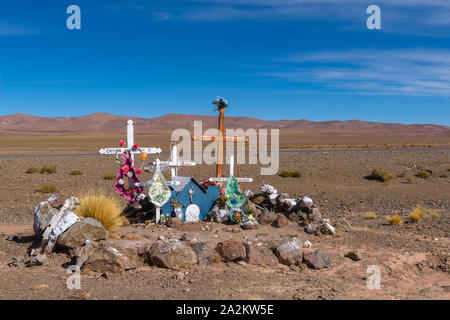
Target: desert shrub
x,y
394,220
423,174
102,207
416,214
443,175
411,180
31,170
290,174
76,173
381,175
435,214
47,189
370,215
47,170
109,176
402,174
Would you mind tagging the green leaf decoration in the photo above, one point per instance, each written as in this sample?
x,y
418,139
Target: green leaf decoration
x,y
235,198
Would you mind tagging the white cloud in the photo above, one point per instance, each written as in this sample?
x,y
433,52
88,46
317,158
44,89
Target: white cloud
x,y
413,72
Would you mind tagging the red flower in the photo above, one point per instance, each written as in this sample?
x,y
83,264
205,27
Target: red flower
x,y
121,143
135,147
125,168
139,171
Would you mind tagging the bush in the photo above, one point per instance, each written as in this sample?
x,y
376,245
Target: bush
x,y
47,189
416,214
443,175
435,214
47,170
411,180
109,176
423,174
370,215
102,207
76,173
290,174
381,175
31,170
394,220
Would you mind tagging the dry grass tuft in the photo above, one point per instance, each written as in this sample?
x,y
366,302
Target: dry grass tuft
x,y
416,214
47,189
31,170
76,173
290,174
47,170
109,176
103,207
381,175
370,215
435,214
394,220
412,180
423,174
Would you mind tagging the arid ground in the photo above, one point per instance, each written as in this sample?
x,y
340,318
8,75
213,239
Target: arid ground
x,y
413,257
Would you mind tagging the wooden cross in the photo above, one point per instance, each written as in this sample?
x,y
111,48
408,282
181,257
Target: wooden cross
x,y
130,143
221,138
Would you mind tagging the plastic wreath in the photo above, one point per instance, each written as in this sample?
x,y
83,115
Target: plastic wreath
x,y
235,198
127,171
159,192
221,103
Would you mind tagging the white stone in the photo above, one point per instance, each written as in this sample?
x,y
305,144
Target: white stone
x,y
268,189
192,213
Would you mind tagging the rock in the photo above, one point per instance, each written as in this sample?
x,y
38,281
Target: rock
x,y
251,209
250,225
85,229
231,250
107,259
171,254
187,237
43,214
281,221
204,251
273,198
260,255
317,260
267,217
290,252
268,189
354,255
248,193
306,202
260,199
131,248
174,222
56,200
81,254
179,276
219,215
38,260
315,215
327,228
17,261
12,237
310,229
307,244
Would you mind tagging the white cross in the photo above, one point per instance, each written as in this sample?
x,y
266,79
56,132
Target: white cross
x,y
225,179
130,143
173,163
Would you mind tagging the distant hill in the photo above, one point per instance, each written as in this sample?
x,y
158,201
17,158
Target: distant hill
x,y
106,124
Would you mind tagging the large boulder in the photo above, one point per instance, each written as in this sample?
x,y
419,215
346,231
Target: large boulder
x,y
260,255
85,229
171,254
317,260
43,214
231,250
106,258
290,252
205,252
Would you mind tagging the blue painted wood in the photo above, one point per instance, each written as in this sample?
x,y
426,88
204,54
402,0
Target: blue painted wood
x,y
205,199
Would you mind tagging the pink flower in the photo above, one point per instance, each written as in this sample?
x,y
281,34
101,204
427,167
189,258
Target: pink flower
x,y
135,146
139,171
121,143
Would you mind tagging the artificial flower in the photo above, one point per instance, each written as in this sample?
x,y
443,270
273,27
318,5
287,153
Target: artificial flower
x,y
139,171
144,156
121,143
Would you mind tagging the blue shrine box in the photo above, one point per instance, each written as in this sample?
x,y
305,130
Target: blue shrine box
x,y
205,199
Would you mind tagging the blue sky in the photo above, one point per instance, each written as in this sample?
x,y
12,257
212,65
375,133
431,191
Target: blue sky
x,y
272,59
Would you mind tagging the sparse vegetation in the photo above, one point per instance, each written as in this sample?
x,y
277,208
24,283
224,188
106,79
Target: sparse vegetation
x,y
416,214
290,174
109,176
31,170
435,214
76,173
423,174
370,215
394,220
47,189
443,175
47,170
411,180
102,207
381,175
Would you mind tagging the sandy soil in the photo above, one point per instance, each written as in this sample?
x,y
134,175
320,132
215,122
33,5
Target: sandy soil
x,y
413,258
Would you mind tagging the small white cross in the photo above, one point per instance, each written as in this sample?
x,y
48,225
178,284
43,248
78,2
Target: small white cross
x,y
225,179
130,143
173,163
